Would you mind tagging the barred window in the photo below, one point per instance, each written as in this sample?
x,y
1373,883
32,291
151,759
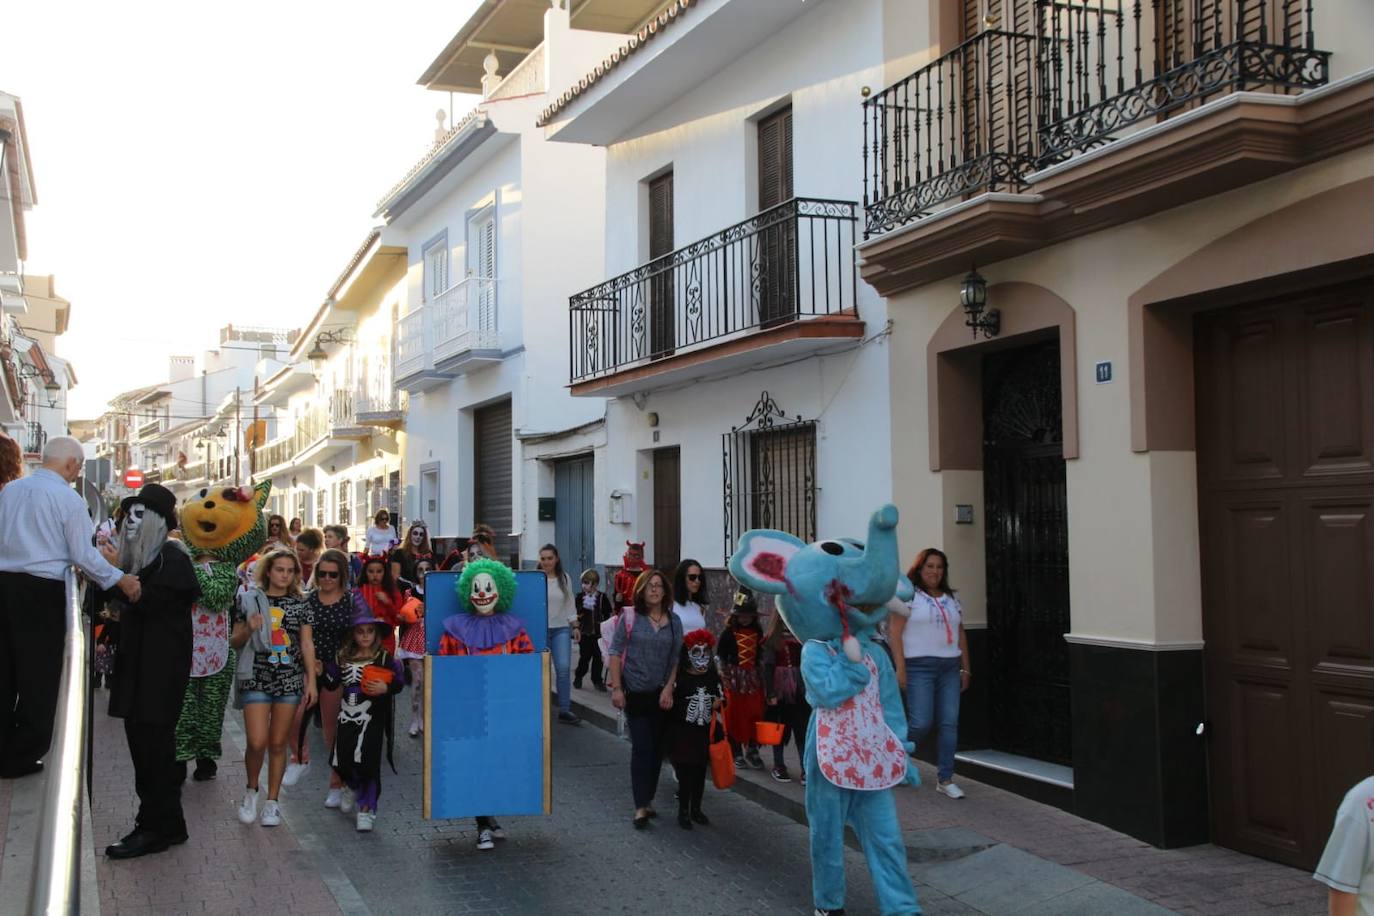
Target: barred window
x,y
344,502
770,474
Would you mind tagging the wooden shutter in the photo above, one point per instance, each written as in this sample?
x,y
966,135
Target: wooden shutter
x,y
775,159
436,269
662,328
493,472
661,215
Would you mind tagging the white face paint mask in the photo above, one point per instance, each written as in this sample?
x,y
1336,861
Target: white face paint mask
x,y
417,537
699,657
483,595
132,520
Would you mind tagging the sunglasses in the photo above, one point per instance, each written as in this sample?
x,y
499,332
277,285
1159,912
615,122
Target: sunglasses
x,y
693,578
325,574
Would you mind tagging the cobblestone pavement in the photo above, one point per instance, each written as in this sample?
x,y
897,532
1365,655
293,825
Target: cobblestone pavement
x,y
1195,880
585,858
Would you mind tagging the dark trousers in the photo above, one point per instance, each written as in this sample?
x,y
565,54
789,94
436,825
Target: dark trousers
x,y
588,656
647,729
795,717
33,626
691,785
154,752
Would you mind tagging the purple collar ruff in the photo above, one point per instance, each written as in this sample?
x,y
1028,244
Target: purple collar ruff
x,y
483,632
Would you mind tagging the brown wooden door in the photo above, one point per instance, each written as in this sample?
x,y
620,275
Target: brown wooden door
x,y
667,509
662,327
492,477
1285,422
777,241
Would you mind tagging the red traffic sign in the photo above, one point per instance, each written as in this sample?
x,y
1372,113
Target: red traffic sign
x,y
133,478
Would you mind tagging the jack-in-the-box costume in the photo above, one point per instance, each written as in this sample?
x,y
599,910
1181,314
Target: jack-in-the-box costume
x,y
833,594
223,527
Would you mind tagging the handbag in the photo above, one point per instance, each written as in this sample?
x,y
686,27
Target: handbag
x,y
722,757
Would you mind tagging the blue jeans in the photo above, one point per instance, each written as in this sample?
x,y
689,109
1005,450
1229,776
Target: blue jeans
x,y
932,700
560,644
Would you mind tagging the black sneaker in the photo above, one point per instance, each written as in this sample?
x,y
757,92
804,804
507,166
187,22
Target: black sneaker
x,y
578,683
206,769
684,821
755,761
568,718
740,762
699,817
781,774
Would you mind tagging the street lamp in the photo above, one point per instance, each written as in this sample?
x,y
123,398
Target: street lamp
x,y
318,355
50,383
973,296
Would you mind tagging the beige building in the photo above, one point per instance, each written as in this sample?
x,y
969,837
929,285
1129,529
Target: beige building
x,y
1155,479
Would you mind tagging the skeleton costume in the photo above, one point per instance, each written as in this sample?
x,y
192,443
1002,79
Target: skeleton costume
x,y
695,696
365,721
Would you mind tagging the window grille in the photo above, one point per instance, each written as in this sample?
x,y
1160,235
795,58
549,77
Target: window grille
x,y
770,474
344,503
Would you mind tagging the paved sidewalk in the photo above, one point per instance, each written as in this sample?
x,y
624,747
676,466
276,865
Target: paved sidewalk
x,y
998,852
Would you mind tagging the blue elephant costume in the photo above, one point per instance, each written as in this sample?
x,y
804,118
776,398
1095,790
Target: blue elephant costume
x,y
833,594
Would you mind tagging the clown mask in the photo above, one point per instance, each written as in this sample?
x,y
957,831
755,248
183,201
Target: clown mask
x,y
484,595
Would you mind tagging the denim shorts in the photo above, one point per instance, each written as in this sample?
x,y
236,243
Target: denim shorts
x,y
251,697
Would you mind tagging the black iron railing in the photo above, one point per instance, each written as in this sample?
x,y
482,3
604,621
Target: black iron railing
x,y
789,263
1066,76
35,437
769,474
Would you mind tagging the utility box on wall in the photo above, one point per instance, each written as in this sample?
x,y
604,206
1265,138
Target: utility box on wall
x,y
622,511
548,509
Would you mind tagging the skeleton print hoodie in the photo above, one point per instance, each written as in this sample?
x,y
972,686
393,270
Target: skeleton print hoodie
x,y
694,698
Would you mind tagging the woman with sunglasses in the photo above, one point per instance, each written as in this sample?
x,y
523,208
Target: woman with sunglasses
x,y
689,591
278,536
332,610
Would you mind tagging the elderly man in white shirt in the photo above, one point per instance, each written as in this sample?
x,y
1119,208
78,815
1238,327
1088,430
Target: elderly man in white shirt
x,y
44,528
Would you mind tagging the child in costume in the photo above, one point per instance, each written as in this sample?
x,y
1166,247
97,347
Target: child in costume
x,y
593,609
782,683
370,678
223,527
740,655
629,574
410,649
482,627
379,590
696,696
833,595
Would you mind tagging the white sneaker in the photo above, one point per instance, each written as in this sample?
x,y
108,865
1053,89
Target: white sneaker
x,y
364,821
271,814
485,839
497,833
414,726
334,798
346,800
294,771
950,789
248,808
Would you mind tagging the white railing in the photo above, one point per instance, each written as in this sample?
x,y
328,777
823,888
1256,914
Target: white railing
x,y
311,427
527,77
465,317
341,408
414,342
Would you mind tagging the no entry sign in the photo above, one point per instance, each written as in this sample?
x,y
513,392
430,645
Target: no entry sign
x,y
133,478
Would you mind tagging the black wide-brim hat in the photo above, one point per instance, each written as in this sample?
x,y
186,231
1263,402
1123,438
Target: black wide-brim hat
x,y
745,602
156,497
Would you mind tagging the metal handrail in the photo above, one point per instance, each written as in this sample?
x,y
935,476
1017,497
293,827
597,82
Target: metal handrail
x,y
57,854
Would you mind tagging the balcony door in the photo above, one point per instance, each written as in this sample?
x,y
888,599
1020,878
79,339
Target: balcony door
x,y
667,508
661,324
777,242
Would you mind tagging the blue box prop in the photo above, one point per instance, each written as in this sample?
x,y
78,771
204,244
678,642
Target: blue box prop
x,y
487,742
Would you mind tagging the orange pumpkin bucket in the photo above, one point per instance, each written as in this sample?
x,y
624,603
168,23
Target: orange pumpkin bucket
x,y
768,732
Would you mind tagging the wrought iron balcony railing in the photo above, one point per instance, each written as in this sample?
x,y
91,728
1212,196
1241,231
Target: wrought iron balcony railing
x,y
1063,77
789,263
35,437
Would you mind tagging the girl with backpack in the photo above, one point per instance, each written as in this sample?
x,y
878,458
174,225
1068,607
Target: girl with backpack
x,y
643,659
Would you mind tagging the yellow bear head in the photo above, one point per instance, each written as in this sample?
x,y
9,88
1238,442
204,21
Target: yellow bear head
x,y
226,522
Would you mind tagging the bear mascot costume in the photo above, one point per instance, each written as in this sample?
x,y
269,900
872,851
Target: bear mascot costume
x,y
833,594
222,526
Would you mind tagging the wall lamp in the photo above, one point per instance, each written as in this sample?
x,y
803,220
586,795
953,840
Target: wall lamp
x,y
317,354
973,296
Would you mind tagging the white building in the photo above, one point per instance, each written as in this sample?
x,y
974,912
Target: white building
x,y
334,445
500,227
746,364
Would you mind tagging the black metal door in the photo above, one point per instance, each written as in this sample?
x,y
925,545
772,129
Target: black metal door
x,y
1027,553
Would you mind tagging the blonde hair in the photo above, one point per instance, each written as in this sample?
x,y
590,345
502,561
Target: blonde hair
x,y
263,569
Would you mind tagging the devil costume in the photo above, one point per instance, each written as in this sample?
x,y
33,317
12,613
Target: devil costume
x,y
366,722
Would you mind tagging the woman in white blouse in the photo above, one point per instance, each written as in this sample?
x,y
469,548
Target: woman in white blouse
x,y
562,619
933,669
381,537
689,590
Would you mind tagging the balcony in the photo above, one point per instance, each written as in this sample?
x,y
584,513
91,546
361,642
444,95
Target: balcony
x,y
343,418
451,335
378,402
150,429
1083,103
35,437
312,427
778,285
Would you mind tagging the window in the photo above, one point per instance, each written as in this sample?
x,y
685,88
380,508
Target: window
x,y
482,265
436,266
344,502
770,467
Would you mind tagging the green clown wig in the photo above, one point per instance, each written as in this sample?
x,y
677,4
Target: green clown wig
x,y
500,572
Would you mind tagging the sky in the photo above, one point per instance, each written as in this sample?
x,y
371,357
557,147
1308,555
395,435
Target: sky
x,y
200,165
